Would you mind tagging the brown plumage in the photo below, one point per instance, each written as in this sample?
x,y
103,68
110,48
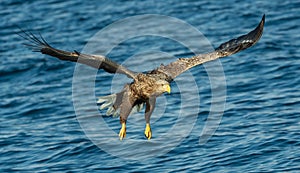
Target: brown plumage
x,y
145,86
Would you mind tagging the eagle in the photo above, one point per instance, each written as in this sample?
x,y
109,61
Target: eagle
x,y
145,87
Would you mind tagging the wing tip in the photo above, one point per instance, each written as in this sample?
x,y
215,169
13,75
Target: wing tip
x,y
36,43
244,41
258,31
262,22
263,18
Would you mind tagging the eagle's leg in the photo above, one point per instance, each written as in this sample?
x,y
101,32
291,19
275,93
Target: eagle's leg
x,y
150,105
122,132
123,118
125,109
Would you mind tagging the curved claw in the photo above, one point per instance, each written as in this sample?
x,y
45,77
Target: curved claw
x,y
148,133
122,132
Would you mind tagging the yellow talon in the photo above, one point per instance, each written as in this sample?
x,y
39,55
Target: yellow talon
x,y
148,132
122,132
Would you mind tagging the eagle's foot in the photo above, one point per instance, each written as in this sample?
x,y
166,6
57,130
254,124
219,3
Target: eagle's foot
x,y
148,133
122,132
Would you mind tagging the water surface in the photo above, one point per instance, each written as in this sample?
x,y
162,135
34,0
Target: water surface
x,y
260,127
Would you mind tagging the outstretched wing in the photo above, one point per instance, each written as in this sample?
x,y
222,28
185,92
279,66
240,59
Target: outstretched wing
x,y
38,44
228,48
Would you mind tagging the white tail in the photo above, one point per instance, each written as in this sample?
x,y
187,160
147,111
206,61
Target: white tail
x,y
107,102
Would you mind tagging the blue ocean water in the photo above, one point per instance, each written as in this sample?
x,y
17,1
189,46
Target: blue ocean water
x,y
260,127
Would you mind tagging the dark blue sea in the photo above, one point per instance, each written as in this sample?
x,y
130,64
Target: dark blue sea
x,y
236,114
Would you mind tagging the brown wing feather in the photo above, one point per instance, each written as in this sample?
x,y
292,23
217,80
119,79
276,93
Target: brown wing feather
x,y
175,68
96,61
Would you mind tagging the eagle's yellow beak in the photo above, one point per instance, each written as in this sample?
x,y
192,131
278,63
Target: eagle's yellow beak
x,y
168,89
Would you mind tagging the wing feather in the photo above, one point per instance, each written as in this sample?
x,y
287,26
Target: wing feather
x,y
230,47
96,61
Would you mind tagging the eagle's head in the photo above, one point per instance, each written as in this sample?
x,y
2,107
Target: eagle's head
x,y
146,86
161,86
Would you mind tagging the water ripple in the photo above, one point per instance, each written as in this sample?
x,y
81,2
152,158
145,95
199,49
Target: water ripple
x,y
260,128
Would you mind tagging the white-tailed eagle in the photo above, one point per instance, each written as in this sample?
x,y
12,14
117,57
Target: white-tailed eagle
x,y
145,87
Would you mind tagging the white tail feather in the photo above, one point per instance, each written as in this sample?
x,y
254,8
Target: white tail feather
x,y
108,102
138,108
